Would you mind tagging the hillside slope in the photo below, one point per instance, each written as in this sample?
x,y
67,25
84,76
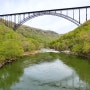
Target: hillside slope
x,y
77,41
41,36
13,44
25,39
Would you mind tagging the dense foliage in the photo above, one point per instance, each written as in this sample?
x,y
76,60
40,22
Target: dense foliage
x,y
25,39
77,41
42,36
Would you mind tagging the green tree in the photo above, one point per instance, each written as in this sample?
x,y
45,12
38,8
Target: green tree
x,y
11,49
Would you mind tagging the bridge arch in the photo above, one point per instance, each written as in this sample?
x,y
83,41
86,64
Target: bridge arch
x,y
29,17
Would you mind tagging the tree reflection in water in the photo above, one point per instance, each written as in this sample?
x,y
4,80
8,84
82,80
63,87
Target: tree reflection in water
x,y
11,74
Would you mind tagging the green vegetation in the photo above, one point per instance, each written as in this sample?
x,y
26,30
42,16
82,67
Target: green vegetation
x,y
77,41
25,39
10,45
41,36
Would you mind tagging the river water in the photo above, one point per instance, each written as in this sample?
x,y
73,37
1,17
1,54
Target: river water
x,y
49,70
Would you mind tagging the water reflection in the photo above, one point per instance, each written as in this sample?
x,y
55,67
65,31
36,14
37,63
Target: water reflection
x,y
46,71
51,75
9,75
55,74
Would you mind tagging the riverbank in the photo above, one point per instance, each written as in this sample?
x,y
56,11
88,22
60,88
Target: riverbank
x,y
79,55
31,53
2,63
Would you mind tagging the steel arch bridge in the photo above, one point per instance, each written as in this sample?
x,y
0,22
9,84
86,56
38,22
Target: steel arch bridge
x,y
74,14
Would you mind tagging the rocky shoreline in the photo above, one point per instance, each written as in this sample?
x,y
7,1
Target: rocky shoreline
x,y
2,63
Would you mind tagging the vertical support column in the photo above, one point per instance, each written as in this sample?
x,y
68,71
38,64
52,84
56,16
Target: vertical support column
x,y
79,16
6,20
3,19
0,18
11,22
73,13
86,14
28,14
15,19
61,12
49,12
14,22
67,12
23,16
19,18
55,11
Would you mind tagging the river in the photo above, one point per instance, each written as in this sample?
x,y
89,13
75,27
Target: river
x,y
48,70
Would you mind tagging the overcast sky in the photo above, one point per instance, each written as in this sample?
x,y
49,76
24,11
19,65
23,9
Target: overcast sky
x,y
54,23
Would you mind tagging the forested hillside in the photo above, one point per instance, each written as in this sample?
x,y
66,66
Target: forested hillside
x,y
42,36
25,39
76,41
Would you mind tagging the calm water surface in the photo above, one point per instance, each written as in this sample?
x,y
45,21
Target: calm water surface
x,y
46,71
